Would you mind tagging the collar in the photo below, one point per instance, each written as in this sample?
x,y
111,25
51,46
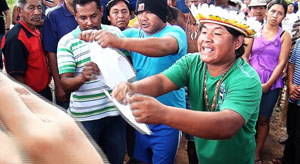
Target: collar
x,y
35,32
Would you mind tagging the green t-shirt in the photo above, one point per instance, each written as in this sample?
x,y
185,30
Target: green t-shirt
x,y
240,91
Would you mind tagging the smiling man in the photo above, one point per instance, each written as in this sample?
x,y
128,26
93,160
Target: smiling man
x,y
23,51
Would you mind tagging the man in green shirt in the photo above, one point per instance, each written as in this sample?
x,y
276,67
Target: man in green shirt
x,y
223,90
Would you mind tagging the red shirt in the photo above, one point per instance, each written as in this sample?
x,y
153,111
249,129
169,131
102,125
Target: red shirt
x,y
24,55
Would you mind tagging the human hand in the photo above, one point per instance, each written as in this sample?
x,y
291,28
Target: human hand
x,y
147,109
102,37
294,92
89,71
38,131
122,92
265,88
60,94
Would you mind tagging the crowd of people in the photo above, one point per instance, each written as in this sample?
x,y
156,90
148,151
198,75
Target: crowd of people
x,y
213,70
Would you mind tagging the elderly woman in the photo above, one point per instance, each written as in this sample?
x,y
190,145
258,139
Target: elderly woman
x,y
224,91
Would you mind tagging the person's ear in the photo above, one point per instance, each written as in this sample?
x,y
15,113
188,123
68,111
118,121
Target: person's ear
x,y
238,42
108,18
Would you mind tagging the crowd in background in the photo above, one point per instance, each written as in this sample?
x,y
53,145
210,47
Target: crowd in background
x,y
43,41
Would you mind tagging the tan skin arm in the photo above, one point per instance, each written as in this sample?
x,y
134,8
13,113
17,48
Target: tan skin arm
x,y
248,48
19,78
154,47
72,83
210,125
7,20
283,58
60,93
15,14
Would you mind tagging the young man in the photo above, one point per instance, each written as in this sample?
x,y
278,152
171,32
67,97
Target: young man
x,y
119,13
88,103
24,56
224,92
154,47
57,23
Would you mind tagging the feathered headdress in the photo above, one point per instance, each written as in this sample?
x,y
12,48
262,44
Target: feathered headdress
x,y
230,18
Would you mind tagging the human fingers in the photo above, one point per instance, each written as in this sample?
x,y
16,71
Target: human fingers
x,y
87,35
95,68
120,92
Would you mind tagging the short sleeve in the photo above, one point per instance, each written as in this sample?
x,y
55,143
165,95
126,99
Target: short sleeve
x,y
178,73
243,96
15,54
50,38
65,59
181,38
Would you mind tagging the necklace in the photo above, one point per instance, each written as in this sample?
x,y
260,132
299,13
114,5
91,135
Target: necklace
x,y
213,105
194,34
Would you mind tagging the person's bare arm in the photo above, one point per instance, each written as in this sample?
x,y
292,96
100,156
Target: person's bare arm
x,y
283,58
60,93
248,49
154,47
15,15
72,83
7,20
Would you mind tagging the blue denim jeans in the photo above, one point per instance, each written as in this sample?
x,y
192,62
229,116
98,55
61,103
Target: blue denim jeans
x,y
109,134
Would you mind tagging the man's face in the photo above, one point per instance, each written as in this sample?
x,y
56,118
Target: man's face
x,y
31,13
88,16
119,15
258,12
149,22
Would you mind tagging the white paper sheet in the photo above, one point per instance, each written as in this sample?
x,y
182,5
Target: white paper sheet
x,y
114,66
126,113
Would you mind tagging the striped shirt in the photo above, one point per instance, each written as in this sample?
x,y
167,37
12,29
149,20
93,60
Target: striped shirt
x,y
295,59
89,102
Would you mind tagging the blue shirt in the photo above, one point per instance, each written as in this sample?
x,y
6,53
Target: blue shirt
x,y
295,59
147,66
57,23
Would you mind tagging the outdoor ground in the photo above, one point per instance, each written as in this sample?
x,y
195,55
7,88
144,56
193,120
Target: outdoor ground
x,y
271,148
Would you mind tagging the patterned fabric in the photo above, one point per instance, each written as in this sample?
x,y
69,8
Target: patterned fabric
x,y
295,59
89,102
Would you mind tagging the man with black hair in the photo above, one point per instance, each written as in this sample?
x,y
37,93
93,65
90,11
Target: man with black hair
x,y
119,13
88,103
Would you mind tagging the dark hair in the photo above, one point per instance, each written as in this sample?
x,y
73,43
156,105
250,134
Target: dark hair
x,y
278,2
240,51
112,3
83,2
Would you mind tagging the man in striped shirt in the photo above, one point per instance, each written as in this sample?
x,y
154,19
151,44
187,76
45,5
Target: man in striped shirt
x,y
88,103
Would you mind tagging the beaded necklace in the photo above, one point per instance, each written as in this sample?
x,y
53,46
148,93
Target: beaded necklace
x,y
213,105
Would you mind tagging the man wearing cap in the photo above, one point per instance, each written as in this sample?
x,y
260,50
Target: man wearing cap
x,y
154,47
258,9
119,13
